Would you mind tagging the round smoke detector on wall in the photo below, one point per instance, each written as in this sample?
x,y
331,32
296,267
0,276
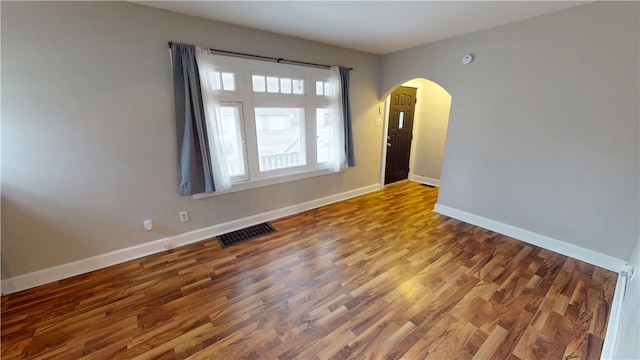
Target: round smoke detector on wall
x,y
467,59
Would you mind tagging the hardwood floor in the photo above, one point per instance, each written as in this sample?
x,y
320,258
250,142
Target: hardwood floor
x,y
380,276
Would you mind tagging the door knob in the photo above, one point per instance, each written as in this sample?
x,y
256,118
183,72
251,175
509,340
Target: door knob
x,y
388,144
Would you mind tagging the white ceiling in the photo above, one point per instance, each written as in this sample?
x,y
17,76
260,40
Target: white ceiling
x,y
378,27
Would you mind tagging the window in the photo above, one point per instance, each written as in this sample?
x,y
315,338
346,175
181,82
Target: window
x,y
324,88
224,81
280,135
275,85
274,122
324,132
233,136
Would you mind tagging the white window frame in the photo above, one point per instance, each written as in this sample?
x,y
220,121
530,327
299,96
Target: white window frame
x,y
248,100
243,142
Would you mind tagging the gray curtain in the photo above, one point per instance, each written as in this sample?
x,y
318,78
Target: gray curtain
x,y
194,162
346,112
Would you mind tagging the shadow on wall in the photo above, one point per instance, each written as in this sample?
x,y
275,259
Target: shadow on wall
x,y
31,233
36,237
432,111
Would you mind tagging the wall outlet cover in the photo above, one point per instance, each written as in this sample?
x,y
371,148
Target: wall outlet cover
x,y
148,225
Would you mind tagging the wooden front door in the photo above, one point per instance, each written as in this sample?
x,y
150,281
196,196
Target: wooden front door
x,y
401,113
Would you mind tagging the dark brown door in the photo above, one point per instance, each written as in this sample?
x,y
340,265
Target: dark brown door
x,y
401,110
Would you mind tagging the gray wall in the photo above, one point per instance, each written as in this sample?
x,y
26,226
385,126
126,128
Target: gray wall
x,y
88,134
543,132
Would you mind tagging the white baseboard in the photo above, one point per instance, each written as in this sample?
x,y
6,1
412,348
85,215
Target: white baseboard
x,y
561,247
424,180
41,277
613,325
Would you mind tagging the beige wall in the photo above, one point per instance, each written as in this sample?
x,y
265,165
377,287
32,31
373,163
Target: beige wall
x,y
88,134
430,129
543,133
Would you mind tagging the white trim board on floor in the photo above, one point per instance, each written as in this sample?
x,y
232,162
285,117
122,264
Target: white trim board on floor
x,y
561,247
613,323
424,180
41,277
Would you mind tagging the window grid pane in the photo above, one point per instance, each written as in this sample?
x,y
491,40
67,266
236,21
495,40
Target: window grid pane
x,y
228,81
328,89
272,84
232,140
319,88
280,137
298,86
276,85
285,86
323,132
216,80
259,84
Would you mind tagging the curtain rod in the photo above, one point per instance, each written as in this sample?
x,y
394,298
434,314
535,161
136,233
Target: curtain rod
x,y
266,58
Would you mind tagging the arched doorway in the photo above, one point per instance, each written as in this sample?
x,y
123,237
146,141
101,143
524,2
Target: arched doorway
x,y
430,121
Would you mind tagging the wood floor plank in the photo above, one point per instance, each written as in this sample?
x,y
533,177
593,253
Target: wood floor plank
x,y
379,276
491,344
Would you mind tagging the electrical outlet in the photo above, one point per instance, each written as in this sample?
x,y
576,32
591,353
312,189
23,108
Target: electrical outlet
x,y
184,216
148,225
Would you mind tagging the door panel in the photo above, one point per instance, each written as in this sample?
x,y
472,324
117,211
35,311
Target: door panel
x,y
399,135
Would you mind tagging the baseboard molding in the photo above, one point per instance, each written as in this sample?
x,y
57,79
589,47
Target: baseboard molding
x,y
561,247
424,180
45,276
613,325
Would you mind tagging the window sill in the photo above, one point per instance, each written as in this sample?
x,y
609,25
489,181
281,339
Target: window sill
x,y
254,184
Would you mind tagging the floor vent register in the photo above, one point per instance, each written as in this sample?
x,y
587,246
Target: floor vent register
x,y
246,234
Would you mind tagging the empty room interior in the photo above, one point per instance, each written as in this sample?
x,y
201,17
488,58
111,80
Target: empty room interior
x,y
320,180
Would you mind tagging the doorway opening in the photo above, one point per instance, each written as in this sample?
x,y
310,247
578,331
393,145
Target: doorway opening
x,y
414,133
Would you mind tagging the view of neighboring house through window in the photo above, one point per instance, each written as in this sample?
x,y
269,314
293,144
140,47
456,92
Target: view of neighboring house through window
x,y
281,137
